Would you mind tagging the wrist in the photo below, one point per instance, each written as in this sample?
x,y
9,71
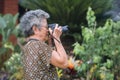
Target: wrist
x,y
57,40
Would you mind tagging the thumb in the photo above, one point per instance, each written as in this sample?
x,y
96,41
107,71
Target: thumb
x,y
50,30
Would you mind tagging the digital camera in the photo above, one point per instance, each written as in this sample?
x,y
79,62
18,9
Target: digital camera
x,y
64,28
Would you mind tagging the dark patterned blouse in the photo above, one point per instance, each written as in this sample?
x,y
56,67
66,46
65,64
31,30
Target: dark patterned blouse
x,y
36,61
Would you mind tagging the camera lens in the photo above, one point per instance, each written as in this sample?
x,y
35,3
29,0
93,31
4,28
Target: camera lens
x,y
64,28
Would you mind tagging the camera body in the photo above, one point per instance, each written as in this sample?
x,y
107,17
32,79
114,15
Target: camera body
x,y
64,28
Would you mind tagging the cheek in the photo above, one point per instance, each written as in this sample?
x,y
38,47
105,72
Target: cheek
x,y
45,33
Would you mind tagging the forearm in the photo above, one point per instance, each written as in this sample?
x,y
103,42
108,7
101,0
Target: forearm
x,y
59,57
61,50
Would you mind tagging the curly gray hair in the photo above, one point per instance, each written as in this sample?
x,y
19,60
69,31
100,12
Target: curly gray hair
x,y
30,19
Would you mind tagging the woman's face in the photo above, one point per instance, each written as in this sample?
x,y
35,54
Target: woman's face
x,y
44,30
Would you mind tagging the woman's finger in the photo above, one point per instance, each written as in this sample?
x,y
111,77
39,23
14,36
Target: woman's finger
x,y
56,26
50,30
60,28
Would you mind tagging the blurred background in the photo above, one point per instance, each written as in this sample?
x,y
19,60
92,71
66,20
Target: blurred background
x,y
92,42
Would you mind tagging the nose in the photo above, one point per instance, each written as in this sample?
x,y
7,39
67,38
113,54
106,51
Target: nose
x,y
47,30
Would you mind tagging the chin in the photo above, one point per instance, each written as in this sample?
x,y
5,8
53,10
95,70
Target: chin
x,y
46,38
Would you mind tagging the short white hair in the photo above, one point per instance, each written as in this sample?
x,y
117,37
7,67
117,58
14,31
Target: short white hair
x,y
30,19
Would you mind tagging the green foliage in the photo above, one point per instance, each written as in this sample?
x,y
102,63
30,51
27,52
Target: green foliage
x,y
70,12
65,11
7,27
78,49
100,50
14,66
91,18
13,63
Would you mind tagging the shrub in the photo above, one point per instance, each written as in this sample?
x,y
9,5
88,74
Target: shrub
x,y
99,51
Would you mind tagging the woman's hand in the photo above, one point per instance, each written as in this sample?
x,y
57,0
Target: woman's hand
x,y
59,56
57,31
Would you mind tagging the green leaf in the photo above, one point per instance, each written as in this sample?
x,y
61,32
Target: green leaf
x,y
2,50
83,67
9,45
15,18
96,59
16,30
109,63
2,23
87,34
9,20
78,49
8,32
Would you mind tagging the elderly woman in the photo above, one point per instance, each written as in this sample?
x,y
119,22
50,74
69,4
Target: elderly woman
x,y
39,59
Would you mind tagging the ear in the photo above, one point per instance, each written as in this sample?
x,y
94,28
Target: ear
x,y
35,29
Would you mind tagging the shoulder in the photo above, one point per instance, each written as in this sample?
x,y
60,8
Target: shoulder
x,y
37,44
34,43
